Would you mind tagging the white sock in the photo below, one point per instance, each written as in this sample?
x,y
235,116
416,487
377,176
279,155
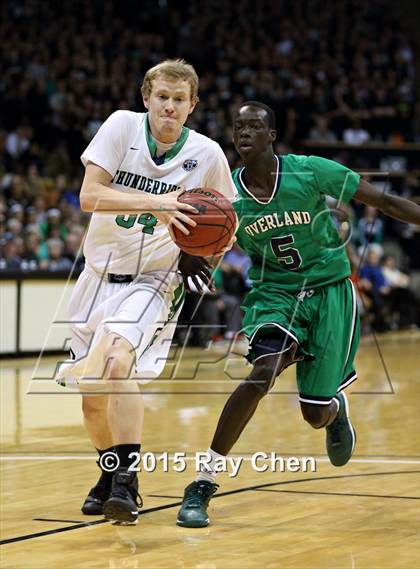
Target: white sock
x,y
208,471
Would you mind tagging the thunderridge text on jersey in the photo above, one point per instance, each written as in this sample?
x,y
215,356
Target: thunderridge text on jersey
x,y
143,183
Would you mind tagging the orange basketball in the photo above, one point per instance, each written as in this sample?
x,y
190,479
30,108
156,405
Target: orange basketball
x,y
216,223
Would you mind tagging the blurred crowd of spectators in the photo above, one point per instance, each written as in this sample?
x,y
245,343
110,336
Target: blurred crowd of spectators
x,y
331,70
66,66
41,224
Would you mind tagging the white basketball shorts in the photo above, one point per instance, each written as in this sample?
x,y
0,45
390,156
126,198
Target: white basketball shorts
x,y
144,312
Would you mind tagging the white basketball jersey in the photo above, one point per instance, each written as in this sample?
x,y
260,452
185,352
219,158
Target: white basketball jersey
x,y
139,243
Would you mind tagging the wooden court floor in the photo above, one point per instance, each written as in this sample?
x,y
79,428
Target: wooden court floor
x,y
364,515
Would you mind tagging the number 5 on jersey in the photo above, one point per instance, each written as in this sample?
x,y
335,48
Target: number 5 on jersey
x,y
289,257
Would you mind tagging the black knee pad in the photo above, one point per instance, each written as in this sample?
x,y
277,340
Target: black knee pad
x,y
271,343
266,347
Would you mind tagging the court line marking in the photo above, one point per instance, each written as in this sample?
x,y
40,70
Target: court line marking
x,y
337,494
53,520
222,494
164,496
12,457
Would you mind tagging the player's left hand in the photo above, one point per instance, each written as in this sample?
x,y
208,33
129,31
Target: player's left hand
x,y
198,269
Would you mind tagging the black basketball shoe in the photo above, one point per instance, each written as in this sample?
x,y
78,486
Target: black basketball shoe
x,y
98,495
122,506
193,512
341,436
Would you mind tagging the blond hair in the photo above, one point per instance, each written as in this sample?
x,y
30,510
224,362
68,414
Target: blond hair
x,y
174,70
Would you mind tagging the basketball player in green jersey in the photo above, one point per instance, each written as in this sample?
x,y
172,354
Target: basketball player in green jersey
x,y
302,306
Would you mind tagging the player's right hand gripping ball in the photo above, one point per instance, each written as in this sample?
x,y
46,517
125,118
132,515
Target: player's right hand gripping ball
x,y
216,223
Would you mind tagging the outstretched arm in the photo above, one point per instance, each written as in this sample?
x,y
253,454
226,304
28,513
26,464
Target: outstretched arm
x,y
394,206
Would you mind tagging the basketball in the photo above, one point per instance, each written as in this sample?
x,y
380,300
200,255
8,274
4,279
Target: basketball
x,y
216,223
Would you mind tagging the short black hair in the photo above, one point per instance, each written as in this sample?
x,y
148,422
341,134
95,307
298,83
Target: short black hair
x,y
269,111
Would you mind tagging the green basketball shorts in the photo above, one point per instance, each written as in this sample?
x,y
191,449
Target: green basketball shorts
x,y
325,324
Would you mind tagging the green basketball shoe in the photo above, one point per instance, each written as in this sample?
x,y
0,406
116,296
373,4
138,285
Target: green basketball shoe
x,y
341,437
193,512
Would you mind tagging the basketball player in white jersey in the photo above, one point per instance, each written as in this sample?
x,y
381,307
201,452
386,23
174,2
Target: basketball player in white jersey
x,y
125,304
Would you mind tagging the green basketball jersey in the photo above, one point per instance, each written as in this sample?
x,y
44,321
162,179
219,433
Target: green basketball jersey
x,y
291,238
